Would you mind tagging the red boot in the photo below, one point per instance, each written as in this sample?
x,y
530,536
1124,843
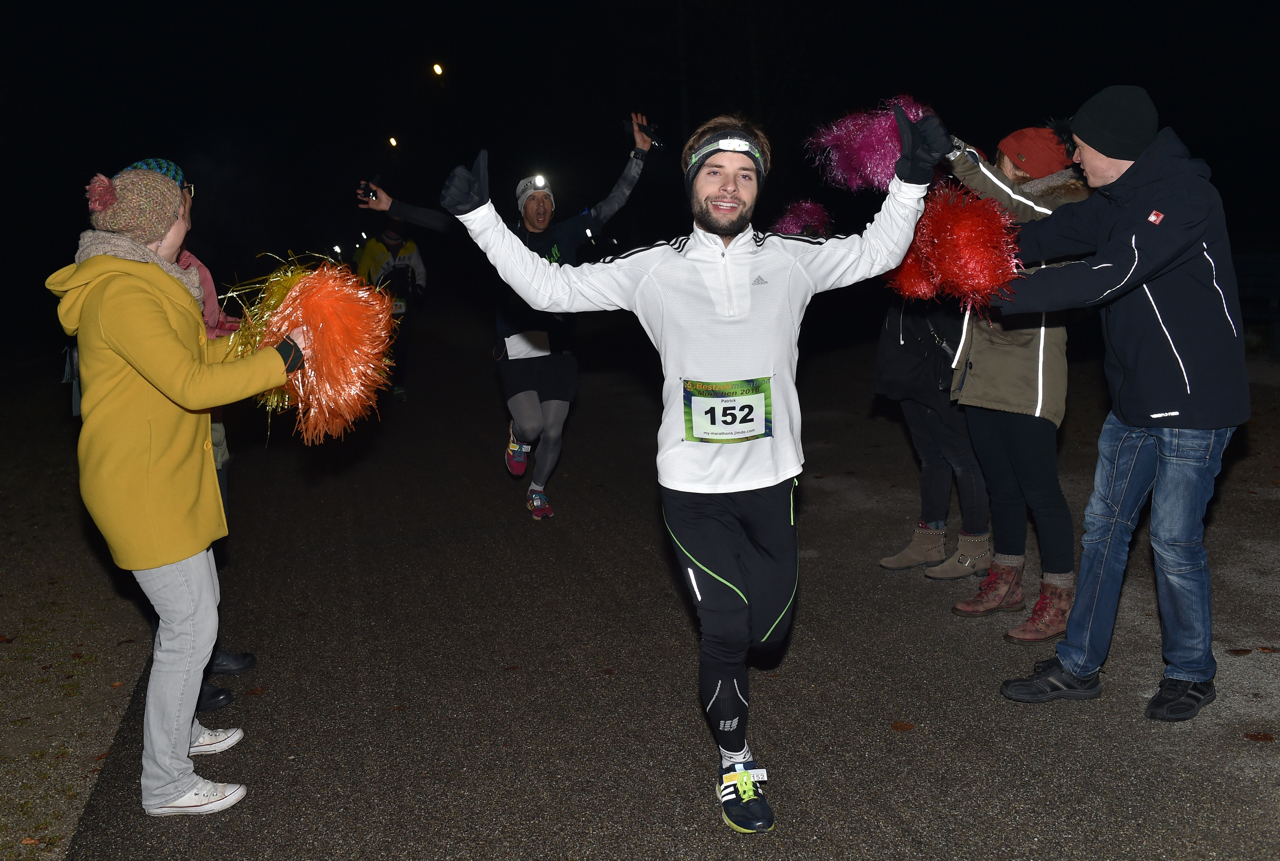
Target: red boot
x,y
1002,590
1048,621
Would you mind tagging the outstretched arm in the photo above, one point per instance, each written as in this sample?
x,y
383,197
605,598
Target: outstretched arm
x,y
849,259
544,286
380,201
1134,252
607,208
988,181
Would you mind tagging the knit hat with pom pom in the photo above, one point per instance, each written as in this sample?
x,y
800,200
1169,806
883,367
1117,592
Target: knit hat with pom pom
x,y
141,203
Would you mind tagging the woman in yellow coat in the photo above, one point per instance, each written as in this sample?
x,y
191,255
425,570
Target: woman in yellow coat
x,y
149,376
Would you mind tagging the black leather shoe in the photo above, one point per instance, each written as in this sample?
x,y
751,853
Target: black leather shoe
x,y
226,664
213,697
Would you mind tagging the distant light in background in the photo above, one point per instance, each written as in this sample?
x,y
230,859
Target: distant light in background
x,y
393,141
337,249
363,235
437,69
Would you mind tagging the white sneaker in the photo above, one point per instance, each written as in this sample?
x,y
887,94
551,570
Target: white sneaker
x,y
207,797
215,741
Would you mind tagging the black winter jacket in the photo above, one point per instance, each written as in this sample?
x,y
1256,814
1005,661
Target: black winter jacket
x,y
1159,267
917,345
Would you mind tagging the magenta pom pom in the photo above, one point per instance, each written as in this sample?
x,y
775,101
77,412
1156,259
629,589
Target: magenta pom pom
x,y
101,193
804,216
861,150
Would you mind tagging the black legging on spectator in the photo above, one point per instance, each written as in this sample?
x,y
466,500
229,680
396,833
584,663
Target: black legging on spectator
x,y
1019,457
941,440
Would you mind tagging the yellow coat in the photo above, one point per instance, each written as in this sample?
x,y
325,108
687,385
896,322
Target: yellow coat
x,y
149,377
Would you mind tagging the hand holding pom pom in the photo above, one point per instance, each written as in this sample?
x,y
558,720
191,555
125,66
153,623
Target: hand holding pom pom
x,y
862,149
924,143
343,328
302,337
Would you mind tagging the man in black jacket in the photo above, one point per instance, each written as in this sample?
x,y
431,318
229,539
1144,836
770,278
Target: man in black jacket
x,y
1154,257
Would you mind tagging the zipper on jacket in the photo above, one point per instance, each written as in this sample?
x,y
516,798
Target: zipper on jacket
x,y
731,307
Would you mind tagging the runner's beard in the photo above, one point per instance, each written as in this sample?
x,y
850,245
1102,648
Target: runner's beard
x,y
706,219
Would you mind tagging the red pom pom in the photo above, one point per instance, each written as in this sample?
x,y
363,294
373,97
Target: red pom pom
x,y
804,216
910,279
101,193
971,245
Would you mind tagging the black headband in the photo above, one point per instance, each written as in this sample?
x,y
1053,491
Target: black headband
x,y
733,140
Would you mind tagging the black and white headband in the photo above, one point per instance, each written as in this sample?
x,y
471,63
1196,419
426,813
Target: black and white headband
x,y
733,140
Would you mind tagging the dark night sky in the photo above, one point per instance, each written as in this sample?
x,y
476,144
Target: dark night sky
x,y
275,116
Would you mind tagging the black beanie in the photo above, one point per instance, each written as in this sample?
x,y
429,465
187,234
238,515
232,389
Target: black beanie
x,y
1119,122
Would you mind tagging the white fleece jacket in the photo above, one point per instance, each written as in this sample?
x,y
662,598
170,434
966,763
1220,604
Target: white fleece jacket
x,y
725,321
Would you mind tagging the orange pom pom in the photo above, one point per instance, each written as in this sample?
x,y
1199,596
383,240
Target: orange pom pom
x,y
350,326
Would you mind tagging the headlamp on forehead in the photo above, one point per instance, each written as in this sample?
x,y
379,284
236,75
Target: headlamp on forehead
x,y
529,185
726,141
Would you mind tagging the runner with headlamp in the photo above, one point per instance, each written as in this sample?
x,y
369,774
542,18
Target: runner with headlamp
x,y
536,366
723,307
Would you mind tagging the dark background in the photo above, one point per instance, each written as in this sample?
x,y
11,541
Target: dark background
x,y
275,111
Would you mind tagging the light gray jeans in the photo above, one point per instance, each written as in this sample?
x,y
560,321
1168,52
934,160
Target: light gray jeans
x,y
185,595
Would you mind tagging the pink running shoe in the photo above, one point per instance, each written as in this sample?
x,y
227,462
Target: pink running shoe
x,y
517,452
537,503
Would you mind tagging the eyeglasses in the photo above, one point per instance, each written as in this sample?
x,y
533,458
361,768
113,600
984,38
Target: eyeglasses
x,y
190,189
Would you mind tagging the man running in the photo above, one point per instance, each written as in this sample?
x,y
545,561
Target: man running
x,y
723,307
536,365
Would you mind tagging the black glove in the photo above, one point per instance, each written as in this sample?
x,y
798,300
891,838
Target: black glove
x,y
467,190
924,144
291,353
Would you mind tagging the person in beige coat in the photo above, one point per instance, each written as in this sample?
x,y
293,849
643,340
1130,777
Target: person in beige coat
x,y
1010,373
149,376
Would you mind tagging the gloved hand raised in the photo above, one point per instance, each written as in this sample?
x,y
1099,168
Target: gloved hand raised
x,y
467,190
924,144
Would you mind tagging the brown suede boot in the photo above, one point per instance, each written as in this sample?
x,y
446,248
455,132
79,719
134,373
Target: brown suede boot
x,y
1048,621
926,548
1002,590
972,556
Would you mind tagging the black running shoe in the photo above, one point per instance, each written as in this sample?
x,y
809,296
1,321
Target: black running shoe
x,y
742,800
1049,681
1179,699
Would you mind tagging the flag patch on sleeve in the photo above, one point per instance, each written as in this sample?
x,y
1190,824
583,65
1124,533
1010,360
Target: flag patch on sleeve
x,y
1156,216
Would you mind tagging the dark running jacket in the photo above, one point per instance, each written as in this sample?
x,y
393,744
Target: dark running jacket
x,y
1158,266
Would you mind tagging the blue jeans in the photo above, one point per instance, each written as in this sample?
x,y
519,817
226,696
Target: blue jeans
x,y
1176,467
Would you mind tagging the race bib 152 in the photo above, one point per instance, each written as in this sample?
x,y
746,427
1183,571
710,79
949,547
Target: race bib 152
x,y
734,411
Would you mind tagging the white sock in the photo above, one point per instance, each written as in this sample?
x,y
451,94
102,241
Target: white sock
x,y
727,759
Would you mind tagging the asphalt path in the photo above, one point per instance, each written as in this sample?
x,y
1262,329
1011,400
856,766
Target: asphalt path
x,y
442,677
